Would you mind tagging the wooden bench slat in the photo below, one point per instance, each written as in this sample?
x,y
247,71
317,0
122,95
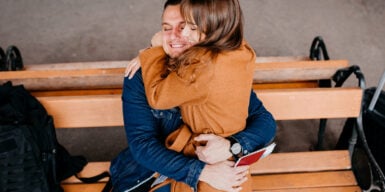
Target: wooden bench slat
x,y
99,186
312,103
116,91
27,74
109,74
90,170
297,70
109,91
77,65
82,187
69,187
303,180
309,103
281,59
102,110
318,189
314,161
323,174
123,63
286,85
66,79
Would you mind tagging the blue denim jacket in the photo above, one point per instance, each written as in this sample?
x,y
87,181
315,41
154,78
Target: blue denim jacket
x,y
146,130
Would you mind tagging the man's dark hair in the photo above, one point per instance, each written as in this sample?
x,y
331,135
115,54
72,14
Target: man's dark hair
x,y
171,2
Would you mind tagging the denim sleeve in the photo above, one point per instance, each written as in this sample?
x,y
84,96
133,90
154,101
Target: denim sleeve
x,y
145,140
260,127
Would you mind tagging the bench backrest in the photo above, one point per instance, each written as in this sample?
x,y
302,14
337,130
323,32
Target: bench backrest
x,y
88,94
284,104
109,74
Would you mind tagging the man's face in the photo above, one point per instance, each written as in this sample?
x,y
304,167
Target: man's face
x,y
174,43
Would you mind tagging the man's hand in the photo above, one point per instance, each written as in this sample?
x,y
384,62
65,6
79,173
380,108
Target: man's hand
x,y
217,148
224,176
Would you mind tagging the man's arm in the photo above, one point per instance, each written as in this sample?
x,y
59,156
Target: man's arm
x,y
260,127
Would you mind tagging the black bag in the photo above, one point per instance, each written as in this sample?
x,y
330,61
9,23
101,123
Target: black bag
x,y
3,60
368,157
14,61
31,159
11,60
374,126
373,120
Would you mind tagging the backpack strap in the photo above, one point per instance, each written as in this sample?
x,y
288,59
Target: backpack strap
x,y
96,178
3,60
93,179
14,60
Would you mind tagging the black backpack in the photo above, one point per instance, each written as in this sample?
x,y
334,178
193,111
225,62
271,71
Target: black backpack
x,y
368,157
31,159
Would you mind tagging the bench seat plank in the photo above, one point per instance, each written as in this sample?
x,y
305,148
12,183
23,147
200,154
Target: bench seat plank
x,y
318,189
286,85
297,184
303,180
90,170
82,187
314,161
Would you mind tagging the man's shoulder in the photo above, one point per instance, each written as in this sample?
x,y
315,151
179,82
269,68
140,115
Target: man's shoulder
x,y
134,86
137,78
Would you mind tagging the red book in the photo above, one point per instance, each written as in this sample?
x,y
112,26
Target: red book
x,y
255,156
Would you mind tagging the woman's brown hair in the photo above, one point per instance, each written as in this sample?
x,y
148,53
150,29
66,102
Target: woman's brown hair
x,y
222,23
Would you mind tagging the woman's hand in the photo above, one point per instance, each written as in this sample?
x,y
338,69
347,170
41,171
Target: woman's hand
x,y
224,176
132,67
157,39
217,148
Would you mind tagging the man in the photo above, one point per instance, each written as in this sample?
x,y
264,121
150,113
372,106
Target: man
x,y
147,129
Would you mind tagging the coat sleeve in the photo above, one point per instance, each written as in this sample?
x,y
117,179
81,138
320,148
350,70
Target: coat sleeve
x,y
174,90
260,126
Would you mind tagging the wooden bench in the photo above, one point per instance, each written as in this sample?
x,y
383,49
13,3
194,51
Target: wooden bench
x,y
79,107
308,171
329,171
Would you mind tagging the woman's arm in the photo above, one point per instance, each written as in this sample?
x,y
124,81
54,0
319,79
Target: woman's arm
x,y
175,89
260,130
260,126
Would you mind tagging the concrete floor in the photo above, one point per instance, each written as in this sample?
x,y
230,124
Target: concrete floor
x,y
56,31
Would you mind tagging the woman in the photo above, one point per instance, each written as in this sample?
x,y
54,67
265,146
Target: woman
x,y
210,81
